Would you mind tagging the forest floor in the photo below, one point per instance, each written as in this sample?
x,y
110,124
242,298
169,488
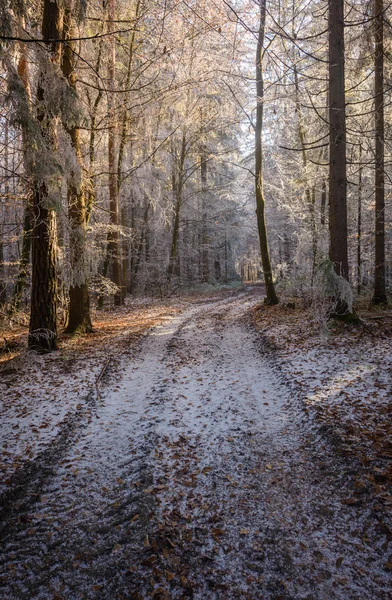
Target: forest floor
x,y
206,447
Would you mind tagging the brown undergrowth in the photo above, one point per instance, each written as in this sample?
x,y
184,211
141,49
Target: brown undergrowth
x,y
114,326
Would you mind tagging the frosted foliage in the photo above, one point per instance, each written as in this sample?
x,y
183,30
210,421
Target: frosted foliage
x,y
45,161
103,285
69,161
298,274
77,261
22,116
60,100
40,162
81,271
334,288
84,256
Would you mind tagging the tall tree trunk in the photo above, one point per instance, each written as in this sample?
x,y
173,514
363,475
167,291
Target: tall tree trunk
x,y
309,194
3,284
226,259
379,296
260,202
178,184
121,151
79,320
131,280
43,315
137,260
338,252
125,248
323,202
3,281
91,191
359,225
204,230
125,114
175,235
114,245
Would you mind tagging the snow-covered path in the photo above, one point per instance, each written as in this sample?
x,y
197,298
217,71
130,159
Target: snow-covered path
x,y
195,479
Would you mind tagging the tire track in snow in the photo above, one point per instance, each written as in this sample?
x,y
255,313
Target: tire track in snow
x,y
194,479
247,508
83,486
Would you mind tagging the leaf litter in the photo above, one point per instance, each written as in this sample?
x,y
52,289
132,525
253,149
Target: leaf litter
x,y
198,477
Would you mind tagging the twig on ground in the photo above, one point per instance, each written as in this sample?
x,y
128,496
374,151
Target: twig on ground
x,y
362,322
101,375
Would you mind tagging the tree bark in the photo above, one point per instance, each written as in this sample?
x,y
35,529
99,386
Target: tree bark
x,y
204,230
323,202
309,194
79,320
359,226
379,296
178,184
137,256
125,115
91,191
120,159
338,252
43,315
3,285
114,245
3,280
260,201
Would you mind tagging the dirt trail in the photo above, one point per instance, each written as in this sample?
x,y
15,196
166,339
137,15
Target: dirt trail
x,y
196,479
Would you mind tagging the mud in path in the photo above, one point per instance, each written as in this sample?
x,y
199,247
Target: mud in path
x,y
196,478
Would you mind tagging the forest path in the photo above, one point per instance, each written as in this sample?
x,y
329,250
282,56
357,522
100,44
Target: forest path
x,y
195,479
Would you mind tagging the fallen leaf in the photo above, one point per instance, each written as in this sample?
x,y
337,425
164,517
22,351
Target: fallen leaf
x,y
149,561
350,501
